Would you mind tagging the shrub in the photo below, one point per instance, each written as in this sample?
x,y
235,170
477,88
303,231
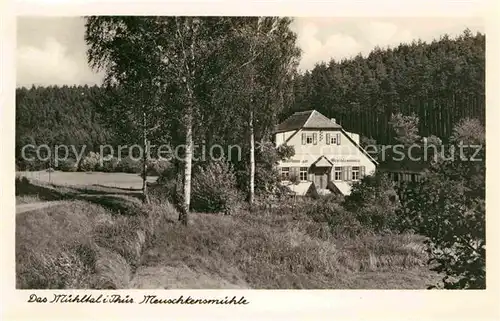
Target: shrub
x,y
341,222
156,167
454,223
374,202
169,188
448,207
91,162
68,165
214,189
110,165
22,185
129,165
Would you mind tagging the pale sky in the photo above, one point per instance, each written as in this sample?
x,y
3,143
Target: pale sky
x,y
51,51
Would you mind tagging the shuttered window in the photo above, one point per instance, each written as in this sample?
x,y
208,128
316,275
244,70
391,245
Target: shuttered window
x,y
315,138
355,173
337,175
303,174
328,138
285,173
303,138
338,138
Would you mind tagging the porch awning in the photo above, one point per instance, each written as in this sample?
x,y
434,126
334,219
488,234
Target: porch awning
x,y
341,187
302,188
323,162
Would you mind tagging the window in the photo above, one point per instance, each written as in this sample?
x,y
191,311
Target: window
x,y
333,139
303,174
337,174
355,173
308,139
285,173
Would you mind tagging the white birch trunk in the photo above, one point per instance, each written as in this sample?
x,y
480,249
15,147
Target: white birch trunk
x,y
144,160
252,160
184,214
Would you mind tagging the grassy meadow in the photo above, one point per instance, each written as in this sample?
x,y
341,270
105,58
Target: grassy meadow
x,y
116,180
104,240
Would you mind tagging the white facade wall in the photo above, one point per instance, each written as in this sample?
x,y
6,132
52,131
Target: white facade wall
x,y
344,154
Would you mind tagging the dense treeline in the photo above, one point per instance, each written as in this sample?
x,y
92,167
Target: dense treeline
x,y
59,115
440,82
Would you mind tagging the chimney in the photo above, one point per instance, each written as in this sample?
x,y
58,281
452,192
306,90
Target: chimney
x,y
334,120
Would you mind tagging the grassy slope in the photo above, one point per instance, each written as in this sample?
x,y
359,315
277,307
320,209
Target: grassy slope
x,y
94,247
81,245
279,251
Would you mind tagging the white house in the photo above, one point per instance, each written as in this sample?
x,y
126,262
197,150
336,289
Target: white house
x,y
325,154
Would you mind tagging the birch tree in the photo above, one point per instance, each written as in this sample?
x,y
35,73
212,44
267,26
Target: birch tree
x,y
268,62
124,49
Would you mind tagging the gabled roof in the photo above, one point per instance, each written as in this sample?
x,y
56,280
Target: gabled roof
x,y
306,119
322,161
314,119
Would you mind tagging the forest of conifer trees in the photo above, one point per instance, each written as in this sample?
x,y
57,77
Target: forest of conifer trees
x,y
440,82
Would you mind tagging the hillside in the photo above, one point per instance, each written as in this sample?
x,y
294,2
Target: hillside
x,y
441,82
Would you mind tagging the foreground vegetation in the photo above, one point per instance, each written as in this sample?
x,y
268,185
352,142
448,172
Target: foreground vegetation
x,y
277,248
283,248
81,244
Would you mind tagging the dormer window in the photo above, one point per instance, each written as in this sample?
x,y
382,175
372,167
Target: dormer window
x,y
333,139
309,138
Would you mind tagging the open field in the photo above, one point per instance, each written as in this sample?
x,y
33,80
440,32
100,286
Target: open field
x,y
118,180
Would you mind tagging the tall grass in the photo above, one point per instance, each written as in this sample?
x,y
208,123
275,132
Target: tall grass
x,y
280,250
81,245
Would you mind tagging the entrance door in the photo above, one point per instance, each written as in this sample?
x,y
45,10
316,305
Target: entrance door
x,y
321,177
321,183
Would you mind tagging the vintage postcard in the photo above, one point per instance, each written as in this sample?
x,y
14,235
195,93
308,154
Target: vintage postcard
x,y
166,163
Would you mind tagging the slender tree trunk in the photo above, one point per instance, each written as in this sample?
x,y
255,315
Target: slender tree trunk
x,y
252,159
144,161
184,213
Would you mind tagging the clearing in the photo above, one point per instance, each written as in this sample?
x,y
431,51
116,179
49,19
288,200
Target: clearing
x,y
118,180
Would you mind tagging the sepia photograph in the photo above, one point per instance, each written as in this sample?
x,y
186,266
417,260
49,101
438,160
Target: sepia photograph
x,y
250,152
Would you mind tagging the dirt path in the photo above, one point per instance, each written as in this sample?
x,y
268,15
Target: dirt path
x,y
181,277
22,208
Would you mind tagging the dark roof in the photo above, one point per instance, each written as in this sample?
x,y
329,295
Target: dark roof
x,y
306,119
418,161
314,119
